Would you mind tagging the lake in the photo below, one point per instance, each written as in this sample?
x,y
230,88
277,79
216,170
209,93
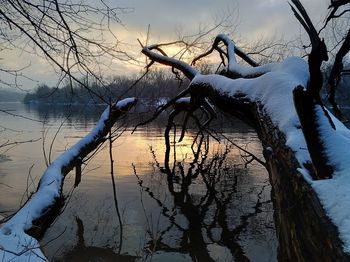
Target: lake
x,y
208,206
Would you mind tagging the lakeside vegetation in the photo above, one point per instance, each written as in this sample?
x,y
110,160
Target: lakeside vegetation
x,y
11,95
156,84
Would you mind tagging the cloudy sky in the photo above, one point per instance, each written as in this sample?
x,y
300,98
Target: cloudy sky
x,y
254,19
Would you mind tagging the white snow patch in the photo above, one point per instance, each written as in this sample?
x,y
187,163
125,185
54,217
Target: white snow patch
x,y
219,253
183,100
335,193
274,90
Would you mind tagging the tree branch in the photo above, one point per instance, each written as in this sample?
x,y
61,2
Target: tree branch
x,y
37,214
336,70
162,58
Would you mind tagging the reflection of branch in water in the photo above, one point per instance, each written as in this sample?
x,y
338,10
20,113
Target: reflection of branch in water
x,y
247,153
207,211
230,237
156,237
188,106
154,155
220,217
165,210
215,202
197,211
115,198
196,214
81,252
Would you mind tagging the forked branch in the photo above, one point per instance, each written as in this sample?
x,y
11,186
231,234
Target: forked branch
x,y
335,74
162,58
318,50
232,49
334,7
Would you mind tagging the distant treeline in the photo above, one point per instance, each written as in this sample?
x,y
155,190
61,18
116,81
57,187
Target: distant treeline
x,y
7,95
155,85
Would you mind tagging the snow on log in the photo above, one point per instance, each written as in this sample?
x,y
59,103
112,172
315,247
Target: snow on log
x,y
335,193
15,243
273,92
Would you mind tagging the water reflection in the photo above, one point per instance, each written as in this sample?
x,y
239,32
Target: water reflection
x,y
82,252
203,205
202,192
74,113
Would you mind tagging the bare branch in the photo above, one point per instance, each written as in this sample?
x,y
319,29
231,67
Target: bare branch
x,y
162,58
334,6
232,49
318,52
337,68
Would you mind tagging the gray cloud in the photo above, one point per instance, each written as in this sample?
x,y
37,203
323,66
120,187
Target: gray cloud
x,y
165,15
257,18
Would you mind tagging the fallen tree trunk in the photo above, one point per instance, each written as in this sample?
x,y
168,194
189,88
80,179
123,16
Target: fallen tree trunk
x,y
300,137
17,240
304,231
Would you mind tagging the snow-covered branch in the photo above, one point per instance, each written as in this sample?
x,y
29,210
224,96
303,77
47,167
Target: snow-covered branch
x,y
162,58
15,243
232,66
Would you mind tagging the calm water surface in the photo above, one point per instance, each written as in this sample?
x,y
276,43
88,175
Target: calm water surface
x,y
211,209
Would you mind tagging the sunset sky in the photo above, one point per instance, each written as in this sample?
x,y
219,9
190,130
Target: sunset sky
x,y
254,19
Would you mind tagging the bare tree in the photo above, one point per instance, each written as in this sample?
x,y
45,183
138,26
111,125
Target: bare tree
x,y
76,38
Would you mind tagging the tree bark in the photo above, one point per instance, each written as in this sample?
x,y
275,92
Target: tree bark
x,y
305,107
304,231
